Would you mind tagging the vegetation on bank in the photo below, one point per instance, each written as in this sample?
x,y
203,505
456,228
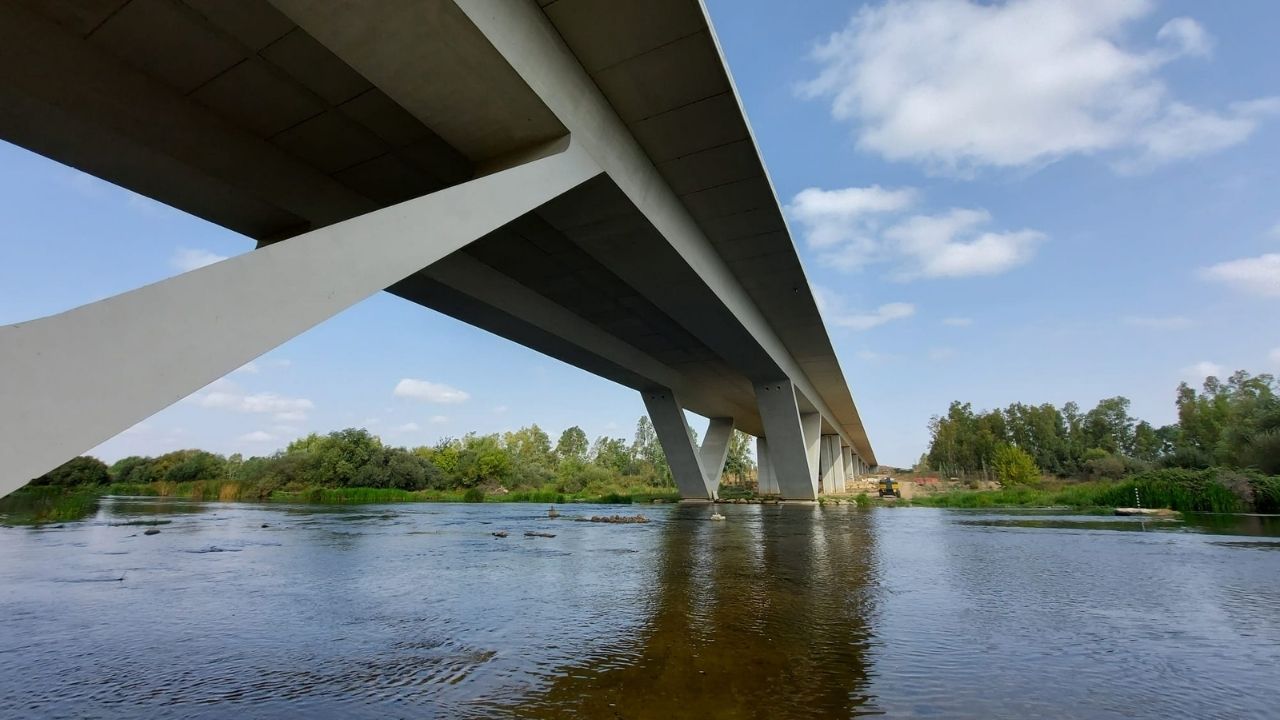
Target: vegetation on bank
x,y
1232,425
354,466
1216,490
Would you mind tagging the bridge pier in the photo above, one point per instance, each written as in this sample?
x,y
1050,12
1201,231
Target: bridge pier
x,y
793,437
696,470
72,380
847,455
831,466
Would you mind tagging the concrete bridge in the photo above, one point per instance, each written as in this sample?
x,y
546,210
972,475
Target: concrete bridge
x,y
577,176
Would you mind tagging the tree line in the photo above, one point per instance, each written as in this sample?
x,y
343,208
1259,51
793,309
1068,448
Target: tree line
x,y
1231,424
523,459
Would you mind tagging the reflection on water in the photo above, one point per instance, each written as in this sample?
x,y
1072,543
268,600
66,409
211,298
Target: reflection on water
x,y
764,616
236,610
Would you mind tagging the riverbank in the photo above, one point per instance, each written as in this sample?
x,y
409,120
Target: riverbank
x,y
1214,490
43,505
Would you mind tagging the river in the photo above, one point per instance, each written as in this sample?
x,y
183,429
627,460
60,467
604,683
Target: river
x,y
416,610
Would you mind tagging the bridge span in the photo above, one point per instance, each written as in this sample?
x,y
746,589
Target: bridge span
x,y
577,176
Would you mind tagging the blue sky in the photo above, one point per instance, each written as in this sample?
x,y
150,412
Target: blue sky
x,y
1038,201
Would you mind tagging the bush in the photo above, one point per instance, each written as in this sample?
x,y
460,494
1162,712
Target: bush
x,y
473,495
1013,466
83,470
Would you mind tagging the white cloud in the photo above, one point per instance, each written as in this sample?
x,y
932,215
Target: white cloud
x,y
407,427
872,356
941,353
881,315
1202,370
250,368
187,259
429,391
501,410
437,419
1188,36
950,245
957,321
1258,276
226,395
1171,322
958,84
257,436
1274,356
847,227
847,219
1274,231
1186,132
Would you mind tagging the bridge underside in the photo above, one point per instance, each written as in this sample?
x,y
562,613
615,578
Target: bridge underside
x,y
576,177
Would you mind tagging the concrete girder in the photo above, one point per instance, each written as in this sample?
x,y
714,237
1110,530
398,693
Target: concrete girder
x,y
143,350
793,440
735,328
696,470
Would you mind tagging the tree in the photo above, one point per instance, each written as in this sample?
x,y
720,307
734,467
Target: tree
x,y
737,461
83,470
572,445
1014,466
611,454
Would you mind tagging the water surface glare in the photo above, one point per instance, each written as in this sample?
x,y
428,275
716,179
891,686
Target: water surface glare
x,y
416,610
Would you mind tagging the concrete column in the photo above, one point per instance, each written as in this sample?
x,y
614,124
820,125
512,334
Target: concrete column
x,y
695,470
846,453
714,450
766,480
831,465
138,352
792,440
812,424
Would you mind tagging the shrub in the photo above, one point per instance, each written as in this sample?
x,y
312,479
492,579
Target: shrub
x,y
473,495
1013,466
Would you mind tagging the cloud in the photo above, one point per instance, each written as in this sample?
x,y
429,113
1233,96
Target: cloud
x,y
847,218
958,85
226,395
250,368
1257,276
257,436
437,419
429,391
1172,322
187,259
1274,232
501,410
1202,370
1274,356
950,245
957,321
407,427
848,228
832,308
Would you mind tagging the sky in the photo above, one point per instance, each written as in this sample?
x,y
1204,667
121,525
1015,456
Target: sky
x,y
1032,200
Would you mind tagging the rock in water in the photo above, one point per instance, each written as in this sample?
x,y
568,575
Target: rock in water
x,y
500,533
717,516
553,513
151,531
534,533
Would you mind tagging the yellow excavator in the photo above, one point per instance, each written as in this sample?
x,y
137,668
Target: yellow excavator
x,y
890,488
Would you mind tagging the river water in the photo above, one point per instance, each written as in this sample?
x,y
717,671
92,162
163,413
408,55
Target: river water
x,y
243,611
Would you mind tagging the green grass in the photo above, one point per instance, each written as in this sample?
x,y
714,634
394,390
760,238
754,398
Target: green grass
x,y
1215,490
229,492
46,505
